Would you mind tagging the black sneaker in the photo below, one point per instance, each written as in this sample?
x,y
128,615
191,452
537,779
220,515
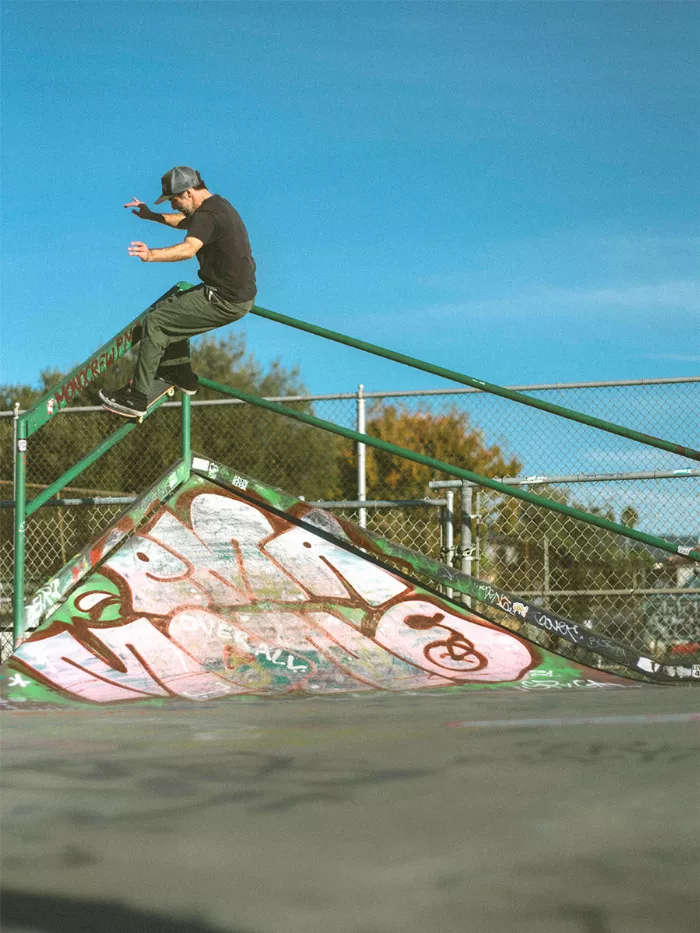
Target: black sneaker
x,y
180,376
126,401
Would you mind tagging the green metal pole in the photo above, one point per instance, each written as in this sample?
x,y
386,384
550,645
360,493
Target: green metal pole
x,y
490,387
514,491
186,431
20,492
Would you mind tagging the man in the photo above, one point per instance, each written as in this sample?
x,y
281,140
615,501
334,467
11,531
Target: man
x,y
217,237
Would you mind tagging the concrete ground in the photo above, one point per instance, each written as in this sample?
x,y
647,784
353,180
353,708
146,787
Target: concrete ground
x,y
496,812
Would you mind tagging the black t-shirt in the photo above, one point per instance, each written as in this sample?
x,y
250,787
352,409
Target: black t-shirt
x,y
225,260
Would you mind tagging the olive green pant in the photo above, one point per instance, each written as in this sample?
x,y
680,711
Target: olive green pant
x,y
172,321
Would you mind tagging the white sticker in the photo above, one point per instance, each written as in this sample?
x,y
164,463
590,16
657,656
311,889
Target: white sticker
x,y
198,463
686,551
18,681
22,445
644,664
51,406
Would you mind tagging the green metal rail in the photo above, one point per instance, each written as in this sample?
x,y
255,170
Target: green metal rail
x,y
490,387
513,491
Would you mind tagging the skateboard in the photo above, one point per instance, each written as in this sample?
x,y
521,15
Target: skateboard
x,y
156,392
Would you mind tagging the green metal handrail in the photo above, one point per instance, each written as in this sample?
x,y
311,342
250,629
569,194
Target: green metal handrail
x,y
513,491
480,384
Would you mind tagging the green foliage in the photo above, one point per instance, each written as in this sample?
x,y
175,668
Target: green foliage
x,y
274,449
277,450
27,395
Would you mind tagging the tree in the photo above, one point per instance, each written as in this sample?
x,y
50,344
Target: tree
x,y
283,452
446,436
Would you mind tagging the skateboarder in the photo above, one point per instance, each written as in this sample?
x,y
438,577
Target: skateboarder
x,y
215,234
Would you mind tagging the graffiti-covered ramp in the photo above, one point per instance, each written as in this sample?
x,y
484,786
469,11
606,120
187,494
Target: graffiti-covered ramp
x,y
228,587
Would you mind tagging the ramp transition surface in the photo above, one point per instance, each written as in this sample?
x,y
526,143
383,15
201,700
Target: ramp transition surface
x,y
224,590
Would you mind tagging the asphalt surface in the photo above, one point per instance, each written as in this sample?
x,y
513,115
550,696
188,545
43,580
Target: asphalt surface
x,y
505,812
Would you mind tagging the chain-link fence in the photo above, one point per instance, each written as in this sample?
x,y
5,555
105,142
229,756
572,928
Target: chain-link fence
x,y
647,598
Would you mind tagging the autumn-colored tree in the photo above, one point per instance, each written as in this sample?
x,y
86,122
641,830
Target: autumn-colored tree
x,y
447,436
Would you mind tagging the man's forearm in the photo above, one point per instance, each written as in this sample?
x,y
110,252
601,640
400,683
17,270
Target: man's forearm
x,y
170,220
171,253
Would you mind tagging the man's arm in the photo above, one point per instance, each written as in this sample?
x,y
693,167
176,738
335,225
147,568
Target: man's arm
x,y
145,213
176,253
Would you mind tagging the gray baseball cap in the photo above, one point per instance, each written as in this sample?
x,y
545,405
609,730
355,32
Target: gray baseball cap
x,y
177,180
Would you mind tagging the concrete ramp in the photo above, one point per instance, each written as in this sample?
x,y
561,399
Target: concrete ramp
x,y
225,587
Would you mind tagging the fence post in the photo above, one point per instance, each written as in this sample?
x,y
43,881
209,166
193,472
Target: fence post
x,y
465,535
448,534
361,456
476,530
186,416
15,419
20,494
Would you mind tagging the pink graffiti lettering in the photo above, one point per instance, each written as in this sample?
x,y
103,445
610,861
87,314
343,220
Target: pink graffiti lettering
x,y
222,646
225,523
71,667
471,652
230,604
366,661
314,559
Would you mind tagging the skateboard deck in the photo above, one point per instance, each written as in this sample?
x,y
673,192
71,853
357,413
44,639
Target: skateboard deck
x,y
156,392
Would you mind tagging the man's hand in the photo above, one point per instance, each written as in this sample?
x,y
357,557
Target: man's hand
x,y
141,250
142,209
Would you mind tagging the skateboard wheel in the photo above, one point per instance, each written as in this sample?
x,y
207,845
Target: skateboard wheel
x,y
171,390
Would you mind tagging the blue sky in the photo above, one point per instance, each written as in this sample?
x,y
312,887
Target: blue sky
x,y
508,189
